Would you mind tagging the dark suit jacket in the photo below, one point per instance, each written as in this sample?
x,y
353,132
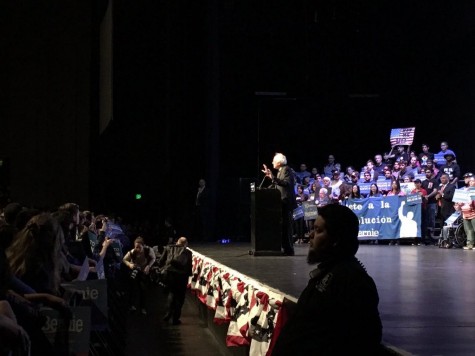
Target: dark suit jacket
x,y
285,183
447,206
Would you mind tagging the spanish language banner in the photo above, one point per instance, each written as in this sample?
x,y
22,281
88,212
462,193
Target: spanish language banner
x,y
388,217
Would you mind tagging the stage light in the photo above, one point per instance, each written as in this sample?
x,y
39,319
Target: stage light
x,y
138,196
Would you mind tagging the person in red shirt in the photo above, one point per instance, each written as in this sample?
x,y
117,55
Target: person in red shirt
x,y
423,193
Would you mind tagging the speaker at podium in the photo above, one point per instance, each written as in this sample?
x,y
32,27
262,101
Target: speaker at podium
x,y
266,222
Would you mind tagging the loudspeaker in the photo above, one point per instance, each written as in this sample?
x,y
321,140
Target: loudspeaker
x,y
266,222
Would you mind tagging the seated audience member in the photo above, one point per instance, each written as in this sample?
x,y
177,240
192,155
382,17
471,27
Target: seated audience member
x,y
327,183
430,165
337,313
414,166
367,177
355,177
374,191
395,189
406,179
355,192
388,175
314,173
348,173
404,171
371,170
345,191
323,197
313,191
299,223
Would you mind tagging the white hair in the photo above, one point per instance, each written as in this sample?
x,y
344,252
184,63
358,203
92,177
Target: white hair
x,y
280,158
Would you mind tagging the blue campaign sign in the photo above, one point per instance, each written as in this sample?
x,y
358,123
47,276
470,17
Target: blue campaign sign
x,y
387,217
364,187
384,185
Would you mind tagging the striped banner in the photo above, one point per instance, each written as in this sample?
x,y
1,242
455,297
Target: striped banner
x,y
402,136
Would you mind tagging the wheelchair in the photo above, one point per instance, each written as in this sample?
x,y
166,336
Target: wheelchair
x,y
453,235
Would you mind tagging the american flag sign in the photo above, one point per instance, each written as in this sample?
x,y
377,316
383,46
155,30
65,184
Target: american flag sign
x,y
402,136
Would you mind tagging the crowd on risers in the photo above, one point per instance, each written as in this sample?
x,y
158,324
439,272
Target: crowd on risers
x,y
434,176
41,250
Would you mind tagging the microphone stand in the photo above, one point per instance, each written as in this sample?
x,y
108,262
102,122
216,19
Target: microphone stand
x,y
262,182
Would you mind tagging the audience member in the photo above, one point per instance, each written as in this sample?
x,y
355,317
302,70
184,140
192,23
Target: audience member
x,y
314,173
302,173
414,167
176,263
444,149
323,197
468,215
451,168
355,192
423,193
337,313
299,223
425,155
34,256
395,189
330,166
379,164
430,165
430,184
139,260
348,173
374,191
444,196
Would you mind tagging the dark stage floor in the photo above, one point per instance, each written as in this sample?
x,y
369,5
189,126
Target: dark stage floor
x,y
427,294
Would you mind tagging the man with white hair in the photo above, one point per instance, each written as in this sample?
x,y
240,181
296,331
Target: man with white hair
x,y
285,183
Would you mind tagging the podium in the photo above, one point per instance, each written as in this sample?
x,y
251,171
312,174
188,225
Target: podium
x,y
266,222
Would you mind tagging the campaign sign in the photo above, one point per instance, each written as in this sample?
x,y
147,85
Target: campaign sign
x,y
461,196
452,218
421,176
93,293
439,158
364,188
413,199
471,193
77,333
310,210
384,185
407,188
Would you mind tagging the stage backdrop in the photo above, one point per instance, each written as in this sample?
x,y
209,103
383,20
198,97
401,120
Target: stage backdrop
x,y
388,217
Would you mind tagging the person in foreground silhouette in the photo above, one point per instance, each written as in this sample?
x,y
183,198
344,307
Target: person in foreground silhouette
x,y
337,313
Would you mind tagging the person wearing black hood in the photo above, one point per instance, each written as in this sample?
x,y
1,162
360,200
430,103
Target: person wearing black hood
x,y
337,313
